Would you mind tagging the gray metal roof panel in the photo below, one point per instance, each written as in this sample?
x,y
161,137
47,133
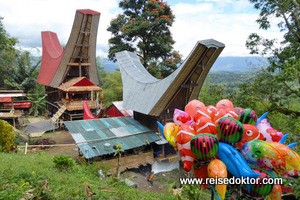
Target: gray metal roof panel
x,y
141,91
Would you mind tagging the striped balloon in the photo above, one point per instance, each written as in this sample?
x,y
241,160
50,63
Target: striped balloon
x,y
260,189
248,116
230,130
205,146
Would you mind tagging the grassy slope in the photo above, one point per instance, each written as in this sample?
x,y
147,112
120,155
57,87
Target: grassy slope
x,y
21,173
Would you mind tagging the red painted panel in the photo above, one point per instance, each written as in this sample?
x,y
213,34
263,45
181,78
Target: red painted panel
x,y
5,99
112,111
88,11
52,53
84,82
26,104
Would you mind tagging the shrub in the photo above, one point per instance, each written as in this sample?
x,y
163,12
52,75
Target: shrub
x,y
63,162
7,136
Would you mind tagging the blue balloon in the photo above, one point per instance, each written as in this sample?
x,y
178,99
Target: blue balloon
x,y
235,162
161,129
261,118
283,139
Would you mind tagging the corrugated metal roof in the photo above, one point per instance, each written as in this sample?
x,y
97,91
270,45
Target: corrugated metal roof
x,y
98,137
145,94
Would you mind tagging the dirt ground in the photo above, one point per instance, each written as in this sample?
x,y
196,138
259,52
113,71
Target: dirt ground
x,y
60,137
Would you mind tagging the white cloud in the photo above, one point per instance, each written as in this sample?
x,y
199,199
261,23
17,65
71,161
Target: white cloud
x,y
206,20
228,21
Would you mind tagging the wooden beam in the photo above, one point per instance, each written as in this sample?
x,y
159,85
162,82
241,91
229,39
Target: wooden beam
x,y
79,64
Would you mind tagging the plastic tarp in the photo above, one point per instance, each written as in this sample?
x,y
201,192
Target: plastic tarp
x,y
39,127
164,166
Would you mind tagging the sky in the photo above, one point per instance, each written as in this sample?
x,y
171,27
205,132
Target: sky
x,y
227,21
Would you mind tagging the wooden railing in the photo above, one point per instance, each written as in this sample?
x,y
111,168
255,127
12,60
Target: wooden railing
x,y
77,104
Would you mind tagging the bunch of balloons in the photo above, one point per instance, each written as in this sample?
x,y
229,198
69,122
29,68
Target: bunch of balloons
x,y
213,140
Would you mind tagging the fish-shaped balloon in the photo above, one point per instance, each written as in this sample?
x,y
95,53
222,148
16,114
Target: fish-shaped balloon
x,y
251,132
180,117
291,158
192,107
270,134
217,169
183,139
170,133
261,154
235,162
205,125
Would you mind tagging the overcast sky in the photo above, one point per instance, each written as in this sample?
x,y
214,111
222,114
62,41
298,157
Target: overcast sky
x,y
228,21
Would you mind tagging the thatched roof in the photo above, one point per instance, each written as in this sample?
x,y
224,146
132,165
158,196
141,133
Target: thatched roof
x,y
79,84
145,94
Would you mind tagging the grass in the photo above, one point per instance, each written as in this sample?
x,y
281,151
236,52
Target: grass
x,y
34,176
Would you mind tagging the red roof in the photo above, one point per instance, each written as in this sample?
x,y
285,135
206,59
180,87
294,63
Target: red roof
x,y
51,57
5,99
88,11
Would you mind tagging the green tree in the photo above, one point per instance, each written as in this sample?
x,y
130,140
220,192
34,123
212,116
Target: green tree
x,y
112,87
144,27
282,77
23,74
7,136
7,52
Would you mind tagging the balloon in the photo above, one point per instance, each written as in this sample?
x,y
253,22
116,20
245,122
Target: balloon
x,y
270,134
161,129
291,158
201,112
204,146
276,193
248,116
180,117
183,139
238,110
261,154
225,104
251,132
230,130
205,125
234,161
201,172
217,169
192,107
260,189
170,132
212,110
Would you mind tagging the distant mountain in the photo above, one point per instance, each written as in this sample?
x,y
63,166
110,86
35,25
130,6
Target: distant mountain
x,y
228,64
239,64
109,65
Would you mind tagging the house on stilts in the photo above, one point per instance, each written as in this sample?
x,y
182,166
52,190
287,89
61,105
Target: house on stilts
x,y
69,74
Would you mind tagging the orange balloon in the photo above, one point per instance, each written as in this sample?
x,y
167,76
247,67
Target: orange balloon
x,y
205,125
251,132
225,104
192,106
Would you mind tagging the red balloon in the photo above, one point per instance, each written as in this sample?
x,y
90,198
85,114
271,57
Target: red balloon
x,y
225,104
192,107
